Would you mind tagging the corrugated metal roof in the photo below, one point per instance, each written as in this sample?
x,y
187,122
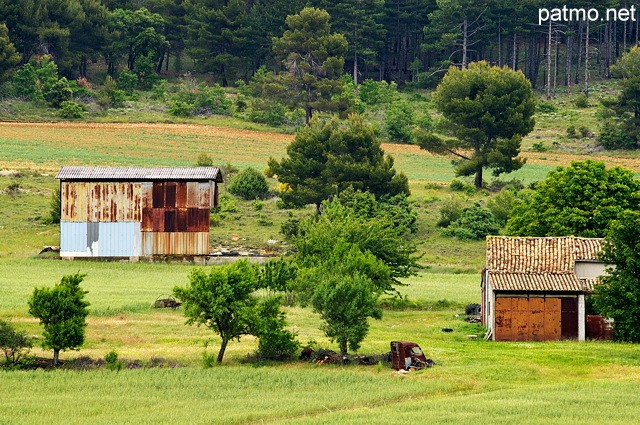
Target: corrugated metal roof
x,y
140,173
550,254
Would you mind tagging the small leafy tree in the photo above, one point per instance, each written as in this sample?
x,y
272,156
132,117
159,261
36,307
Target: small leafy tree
x,y
13,343
487,110
399,122
617,295
343,287
274,341
221,300
578,200
62,310
9,56
327,158
249,184
474,223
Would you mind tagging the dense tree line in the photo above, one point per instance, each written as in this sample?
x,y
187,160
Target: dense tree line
x,y
406,41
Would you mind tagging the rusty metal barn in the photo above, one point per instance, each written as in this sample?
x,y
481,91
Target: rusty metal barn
x,y
136,211
534,289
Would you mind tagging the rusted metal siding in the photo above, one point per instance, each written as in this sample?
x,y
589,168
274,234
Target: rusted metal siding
x,y
101,202
91,239
598,327
175,243
528,319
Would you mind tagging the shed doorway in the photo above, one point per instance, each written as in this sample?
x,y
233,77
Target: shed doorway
x,y
526,318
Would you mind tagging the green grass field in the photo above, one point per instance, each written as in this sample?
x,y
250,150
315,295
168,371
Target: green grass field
x,y
477,381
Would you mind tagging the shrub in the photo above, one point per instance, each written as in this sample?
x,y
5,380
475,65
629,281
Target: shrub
x,y
399,121
474,223
546,107
266,111
59,93
14,344
249,184
274,342
290,228
571,131
500,206
180,109
71,110
378,92
258,206
613,137
581,101
112,362
539,147
204,160
585,131
450,211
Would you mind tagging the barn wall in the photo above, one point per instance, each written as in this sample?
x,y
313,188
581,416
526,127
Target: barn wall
x,y
135,218
537,318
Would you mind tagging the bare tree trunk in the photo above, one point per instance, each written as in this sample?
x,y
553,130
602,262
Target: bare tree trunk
x,y
355,68
580,50
549,61
586,60
56,355
567,63
514,57
499,44
478,180
464,43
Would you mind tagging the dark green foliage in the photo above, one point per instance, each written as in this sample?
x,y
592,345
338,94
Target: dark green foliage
x,y
9,56
112,362
62,311
613,136
475,223
274,341
578,200
35,79
54,208
202,98
110,96
13,343
313,55
617,294
249,184
487,110
546,107
327,158
221,300
267,111
378,92
399,122
290,228
180,109
623,132
71,110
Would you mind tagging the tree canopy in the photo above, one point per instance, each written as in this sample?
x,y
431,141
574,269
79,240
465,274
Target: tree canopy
x,y
325,158
617,294
62,311
579,200
487,110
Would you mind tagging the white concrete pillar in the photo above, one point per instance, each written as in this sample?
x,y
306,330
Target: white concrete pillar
x,y
582,318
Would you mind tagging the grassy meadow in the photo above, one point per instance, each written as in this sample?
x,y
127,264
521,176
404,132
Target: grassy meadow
x,y
564,382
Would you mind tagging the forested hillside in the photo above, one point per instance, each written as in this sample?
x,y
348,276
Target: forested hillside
x,y
404,41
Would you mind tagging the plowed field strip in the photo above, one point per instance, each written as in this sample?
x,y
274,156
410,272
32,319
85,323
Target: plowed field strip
x,y
50,145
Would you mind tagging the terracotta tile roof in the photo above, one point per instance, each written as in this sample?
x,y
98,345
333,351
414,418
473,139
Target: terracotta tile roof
x,y
539,264
527,254
139,173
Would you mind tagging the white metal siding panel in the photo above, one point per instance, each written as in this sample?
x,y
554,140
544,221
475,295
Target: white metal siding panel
x,y
73,239
121,239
